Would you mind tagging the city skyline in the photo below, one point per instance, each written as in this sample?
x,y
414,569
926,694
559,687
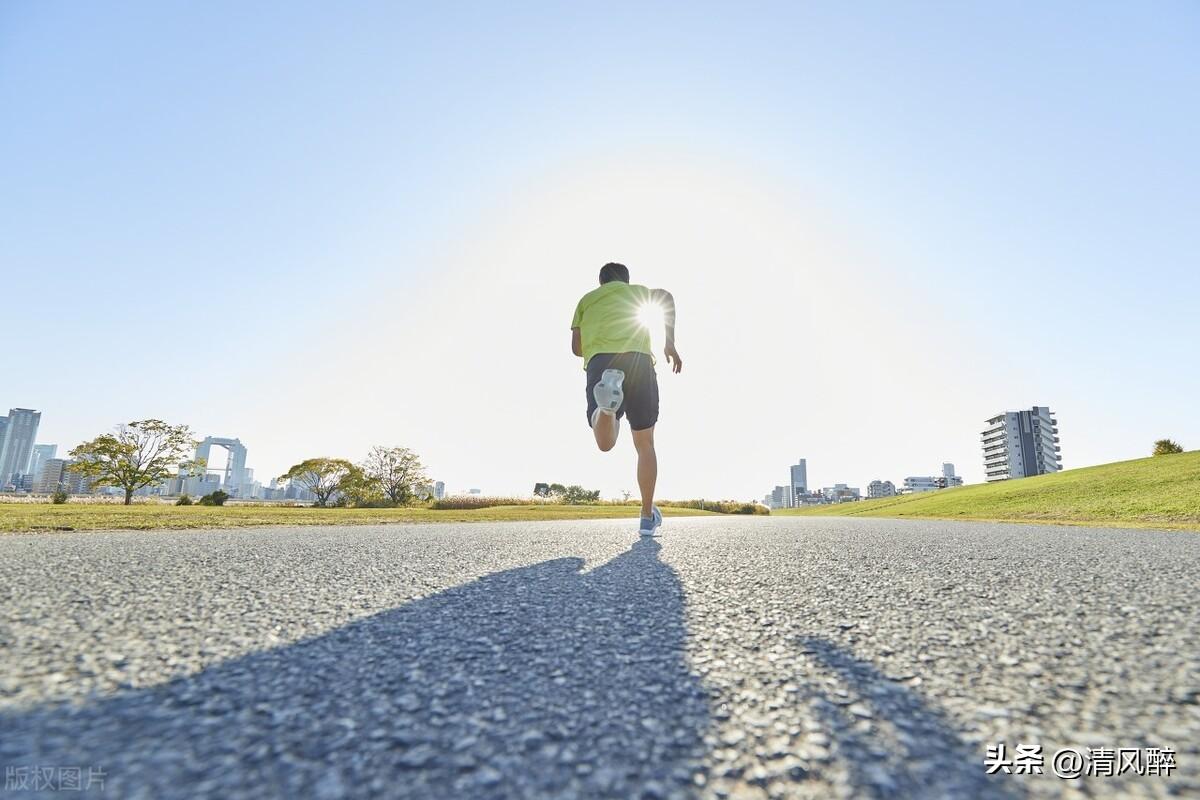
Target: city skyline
x,y
879,229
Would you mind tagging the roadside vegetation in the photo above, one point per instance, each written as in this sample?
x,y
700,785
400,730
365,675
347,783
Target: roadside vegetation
x,y
28,516
1162,491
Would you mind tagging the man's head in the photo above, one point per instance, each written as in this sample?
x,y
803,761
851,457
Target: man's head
x,y
613,271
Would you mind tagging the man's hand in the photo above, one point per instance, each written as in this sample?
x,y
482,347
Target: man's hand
x,y
673,359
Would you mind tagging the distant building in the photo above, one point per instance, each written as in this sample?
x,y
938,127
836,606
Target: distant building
x,y
235,474
20,432
930,483
200,485
780,497
76,483
296,491
841,493
41,454
55,473
1019,444
439,490
807,499
52,475
799,473
881,489
920,483
948,477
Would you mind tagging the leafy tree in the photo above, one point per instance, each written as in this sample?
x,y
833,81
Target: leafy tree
x,y
216,498
359,489
541,490
321,476
1166,447
184,500
60,495
140,454
397,471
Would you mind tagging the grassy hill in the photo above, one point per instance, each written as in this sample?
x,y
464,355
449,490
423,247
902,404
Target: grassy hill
x,y
1158,492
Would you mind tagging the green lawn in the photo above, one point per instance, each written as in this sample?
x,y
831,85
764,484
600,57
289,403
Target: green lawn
x,y
18,517
1159,492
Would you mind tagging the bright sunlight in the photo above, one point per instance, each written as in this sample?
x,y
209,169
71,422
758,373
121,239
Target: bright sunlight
x,y
651,316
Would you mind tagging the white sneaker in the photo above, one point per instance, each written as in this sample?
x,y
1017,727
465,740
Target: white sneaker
x,y
608,392
651,524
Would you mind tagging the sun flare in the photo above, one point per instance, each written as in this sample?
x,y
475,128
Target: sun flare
x,y
651,316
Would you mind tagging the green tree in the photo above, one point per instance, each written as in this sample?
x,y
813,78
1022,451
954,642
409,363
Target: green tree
x,y
574,494
1166,447
321,476
142,453
397,471
359,489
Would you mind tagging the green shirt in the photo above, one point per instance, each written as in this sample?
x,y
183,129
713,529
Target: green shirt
x,y
608,322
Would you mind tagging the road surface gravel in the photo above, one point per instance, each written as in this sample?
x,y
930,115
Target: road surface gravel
x,y
732,657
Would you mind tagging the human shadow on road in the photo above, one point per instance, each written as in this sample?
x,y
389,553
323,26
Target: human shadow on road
x,y
537,681
889,740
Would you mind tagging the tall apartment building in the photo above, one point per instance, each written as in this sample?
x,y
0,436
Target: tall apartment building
x,y
1018,444
54,472
20,432
799,484
41,454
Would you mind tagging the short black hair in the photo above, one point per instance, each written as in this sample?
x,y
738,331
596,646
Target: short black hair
x,y
612,271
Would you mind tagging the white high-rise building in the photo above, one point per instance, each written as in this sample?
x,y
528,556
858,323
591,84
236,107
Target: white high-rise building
x,y
1018,444
19,436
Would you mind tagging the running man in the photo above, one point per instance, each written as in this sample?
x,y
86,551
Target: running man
x,y
609,331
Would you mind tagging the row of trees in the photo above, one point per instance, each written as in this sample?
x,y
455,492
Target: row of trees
x,y
148,452
388,476
572,495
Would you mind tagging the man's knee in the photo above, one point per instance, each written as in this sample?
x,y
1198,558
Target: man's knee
x,y
644,439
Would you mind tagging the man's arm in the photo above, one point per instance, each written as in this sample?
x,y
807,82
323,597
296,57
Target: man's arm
x,y
576,342
667,301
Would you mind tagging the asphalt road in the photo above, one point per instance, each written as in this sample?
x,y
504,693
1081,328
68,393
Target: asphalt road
x,y
733,657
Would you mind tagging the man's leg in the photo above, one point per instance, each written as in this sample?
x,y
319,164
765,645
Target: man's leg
x,y
647,469
605,430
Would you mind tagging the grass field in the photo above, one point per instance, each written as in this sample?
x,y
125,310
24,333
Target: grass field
x,y
20,517
1159,492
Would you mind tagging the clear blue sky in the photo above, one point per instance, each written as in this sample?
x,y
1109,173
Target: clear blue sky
x,y
318,227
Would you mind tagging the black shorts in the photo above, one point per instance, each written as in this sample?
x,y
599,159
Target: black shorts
x,y
640,387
